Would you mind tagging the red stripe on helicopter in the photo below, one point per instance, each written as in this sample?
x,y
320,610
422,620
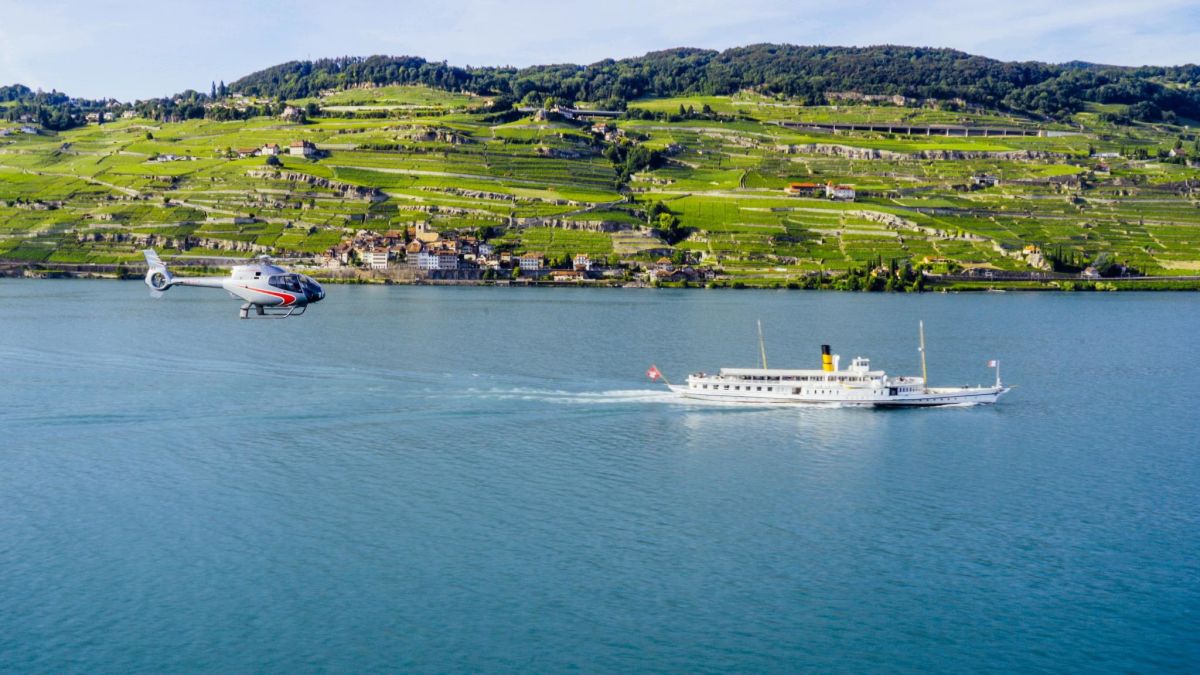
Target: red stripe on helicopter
x,y
287,299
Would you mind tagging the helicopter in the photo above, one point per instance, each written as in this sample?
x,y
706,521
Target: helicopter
x,y
270,291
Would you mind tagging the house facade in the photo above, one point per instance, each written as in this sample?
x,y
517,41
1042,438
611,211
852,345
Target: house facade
x,y
531,261
840,192
376,259
302,149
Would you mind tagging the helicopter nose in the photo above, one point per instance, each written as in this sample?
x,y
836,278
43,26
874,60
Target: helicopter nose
x,y
312,290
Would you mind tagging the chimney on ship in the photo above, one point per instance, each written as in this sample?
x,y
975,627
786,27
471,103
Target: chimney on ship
x,y
826,359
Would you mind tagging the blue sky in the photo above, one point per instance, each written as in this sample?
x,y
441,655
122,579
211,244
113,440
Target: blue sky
x,y
128,50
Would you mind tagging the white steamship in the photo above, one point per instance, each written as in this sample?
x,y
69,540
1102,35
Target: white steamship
x,y
857,385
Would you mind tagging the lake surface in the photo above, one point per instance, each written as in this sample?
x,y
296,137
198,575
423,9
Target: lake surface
x,y
446,479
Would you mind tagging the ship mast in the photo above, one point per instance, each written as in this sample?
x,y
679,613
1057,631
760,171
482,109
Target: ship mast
x,y
924,374
762,349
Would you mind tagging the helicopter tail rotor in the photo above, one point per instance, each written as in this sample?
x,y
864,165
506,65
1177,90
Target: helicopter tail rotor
x,y
158,277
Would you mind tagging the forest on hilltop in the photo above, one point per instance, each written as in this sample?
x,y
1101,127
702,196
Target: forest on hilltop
x,y
807,73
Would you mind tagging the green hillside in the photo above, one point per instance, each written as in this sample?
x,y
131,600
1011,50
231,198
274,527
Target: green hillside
x,y
705,176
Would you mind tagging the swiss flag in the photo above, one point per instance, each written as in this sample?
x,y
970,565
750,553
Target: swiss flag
x,y
993,363
653,373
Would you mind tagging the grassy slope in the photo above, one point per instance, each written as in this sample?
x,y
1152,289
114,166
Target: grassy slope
x,y
87,194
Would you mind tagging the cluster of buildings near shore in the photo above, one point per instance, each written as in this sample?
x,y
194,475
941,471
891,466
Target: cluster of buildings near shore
x,y
420,252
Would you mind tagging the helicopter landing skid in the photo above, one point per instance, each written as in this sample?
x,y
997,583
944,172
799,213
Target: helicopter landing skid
x,y
261,312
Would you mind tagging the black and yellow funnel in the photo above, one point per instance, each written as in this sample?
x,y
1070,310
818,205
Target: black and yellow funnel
x,y
826,359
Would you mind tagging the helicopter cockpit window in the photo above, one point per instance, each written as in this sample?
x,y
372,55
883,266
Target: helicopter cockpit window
x,y
288,282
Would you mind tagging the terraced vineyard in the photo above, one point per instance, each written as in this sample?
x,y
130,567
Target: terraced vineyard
x,y
395,156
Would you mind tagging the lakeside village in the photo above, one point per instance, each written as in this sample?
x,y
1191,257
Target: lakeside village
x,y
420,254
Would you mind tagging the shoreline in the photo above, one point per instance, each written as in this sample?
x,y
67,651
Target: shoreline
x,y
933,284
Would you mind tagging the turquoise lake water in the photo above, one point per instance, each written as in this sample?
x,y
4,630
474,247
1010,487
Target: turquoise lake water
x,y
443,479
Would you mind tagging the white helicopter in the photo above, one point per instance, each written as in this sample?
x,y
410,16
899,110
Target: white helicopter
x,y
271,291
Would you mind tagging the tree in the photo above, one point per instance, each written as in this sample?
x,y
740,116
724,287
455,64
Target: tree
x,y
213,91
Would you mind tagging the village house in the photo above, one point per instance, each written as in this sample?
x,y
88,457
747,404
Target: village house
x,y
663,264
983,180
681,274
426,260
566,275
376,259
582,262
93,118
803,189
29,130
439,260
129,114
292,114
341,253
840,192
1177,152
485,250
270,149
302,149
531,262
1033,256
608,131
243,153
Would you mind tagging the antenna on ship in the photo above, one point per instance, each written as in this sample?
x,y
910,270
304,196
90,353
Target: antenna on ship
x,y
762,349
924,374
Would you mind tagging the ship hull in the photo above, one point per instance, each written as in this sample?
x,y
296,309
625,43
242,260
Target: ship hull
x,y
933,398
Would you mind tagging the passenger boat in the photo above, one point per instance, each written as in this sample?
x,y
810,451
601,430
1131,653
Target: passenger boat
x,y
857,385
